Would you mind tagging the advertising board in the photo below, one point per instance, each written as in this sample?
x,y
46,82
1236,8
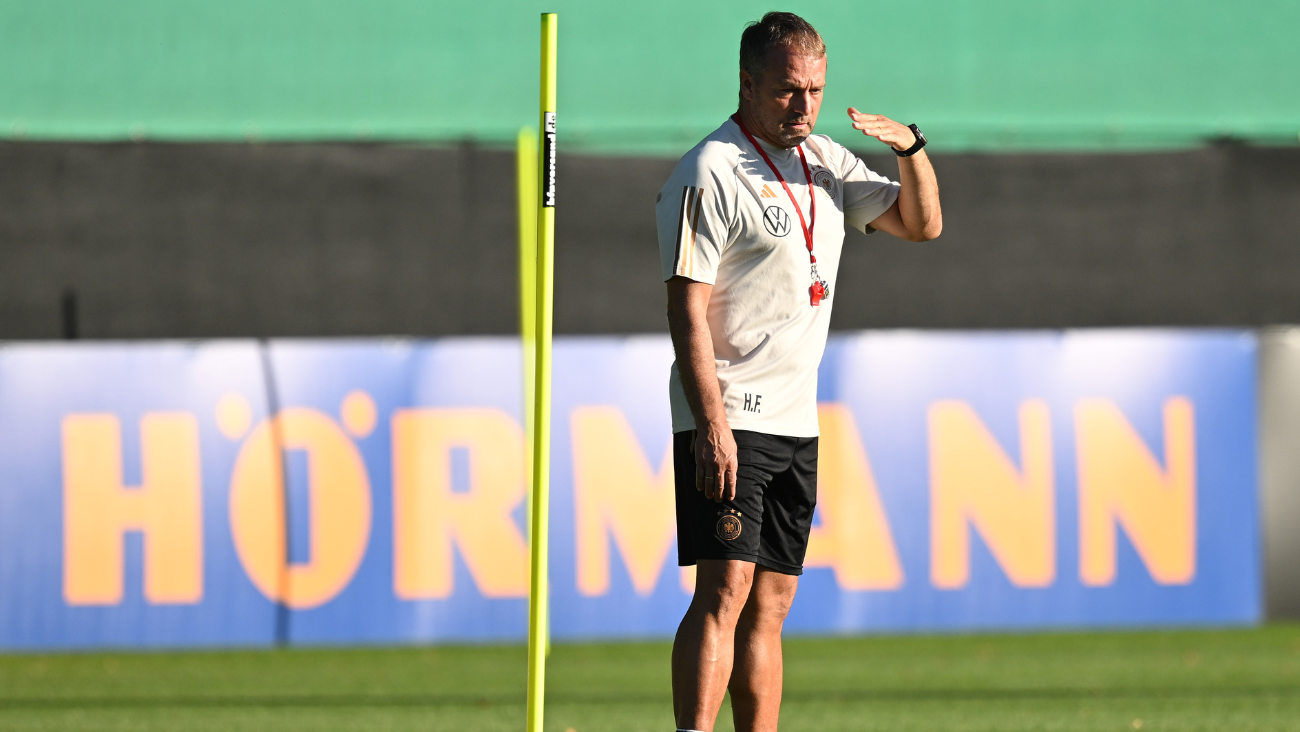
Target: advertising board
x,y
1012,480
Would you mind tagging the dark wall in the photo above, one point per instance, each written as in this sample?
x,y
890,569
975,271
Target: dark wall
x,y
192,241
1207,237
238,240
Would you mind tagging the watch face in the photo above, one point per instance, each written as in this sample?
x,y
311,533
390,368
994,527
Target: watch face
x,y
916,147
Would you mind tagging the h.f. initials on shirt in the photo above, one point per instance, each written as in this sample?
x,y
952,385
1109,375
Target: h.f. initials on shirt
x,y
751,402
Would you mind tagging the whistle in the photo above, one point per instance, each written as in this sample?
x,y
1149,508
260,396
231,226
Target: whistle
x,y
816,293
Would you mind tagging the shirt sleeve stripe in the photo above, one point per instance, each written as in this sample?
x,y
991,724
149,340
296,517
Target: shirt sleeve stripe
x,y
686,228
678,262
695,226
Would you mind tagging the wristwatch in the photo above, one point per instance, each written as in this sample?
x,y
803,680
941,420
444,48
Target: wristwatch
x,y
916,147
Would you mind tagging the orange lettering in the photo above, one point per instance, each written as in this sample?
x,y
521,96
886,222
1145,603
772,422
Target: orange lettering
x,y
854,537
339,515
98,508
1121,482
972,481
616,490
428,515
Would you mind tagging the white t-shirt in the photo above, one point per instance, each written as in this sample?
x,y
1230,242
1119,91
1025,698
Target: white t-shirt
x,y
724,219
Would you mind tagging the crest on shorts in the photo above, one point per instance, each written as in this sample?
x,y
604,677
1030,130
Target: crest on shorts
x,y
729,525
826,180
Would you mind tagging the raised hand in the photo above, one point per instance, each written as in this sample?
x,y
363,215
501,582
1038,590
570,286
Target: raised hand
x,y
894,134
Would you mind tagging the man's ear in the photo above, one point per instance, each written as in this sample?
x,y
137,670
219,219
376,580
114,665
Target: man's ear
x,y
746,86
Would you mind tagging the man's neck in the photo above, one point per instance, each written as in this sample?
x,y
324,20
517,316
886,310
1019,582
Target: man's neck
x,y
751,124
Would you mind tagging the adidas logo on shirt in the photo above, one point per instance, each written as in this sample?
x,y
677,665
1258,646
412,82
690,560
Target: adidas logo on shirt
x,y
766,192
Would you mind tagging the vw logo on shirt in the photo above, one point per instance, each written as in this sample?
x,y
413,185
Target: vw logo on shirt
x,y
776,221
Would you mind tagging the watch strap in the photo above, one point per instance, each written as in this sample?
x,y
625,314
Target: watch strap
x,y
916,146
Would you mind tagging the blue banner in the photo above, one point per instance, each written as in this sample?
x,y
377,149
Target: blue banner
x,y
237,493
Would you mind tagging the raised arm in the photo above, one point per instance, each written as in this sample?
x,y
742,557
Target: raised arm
x,y
915,216
715,447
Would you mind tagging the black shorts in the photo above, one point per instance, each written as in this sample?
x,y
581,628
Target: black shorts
x,y
769,520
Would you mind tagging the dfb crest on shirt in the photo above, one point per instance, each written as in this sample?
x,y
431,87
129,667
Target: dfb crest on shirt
x,y
776,221
825,180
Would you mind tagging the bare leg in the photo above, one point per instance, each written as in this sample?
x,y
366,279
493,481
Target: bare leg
x,y
756,679
702,651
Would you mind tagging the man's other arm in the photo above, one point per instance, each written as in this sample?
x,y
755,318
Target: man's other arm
x,y
915,216
715,446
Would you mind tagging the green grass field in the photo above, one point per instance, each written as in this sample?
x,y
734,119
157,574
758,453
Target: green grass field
x,y
1236,680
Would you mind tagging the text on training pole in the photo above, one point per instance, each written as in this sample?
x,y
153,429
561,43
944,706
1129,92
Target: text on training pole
x,y
548,142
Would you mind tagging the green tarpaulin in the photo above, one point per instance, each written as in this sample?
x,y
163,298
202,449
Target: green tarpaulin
x,y
644,77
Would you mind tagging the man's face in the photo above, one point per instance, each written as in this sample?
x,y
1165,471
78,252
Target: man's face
x,y
784,102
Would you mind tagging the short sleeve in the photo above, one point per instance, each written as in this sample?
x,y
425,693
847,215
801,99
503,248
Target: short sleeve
x,y
867,194
692,216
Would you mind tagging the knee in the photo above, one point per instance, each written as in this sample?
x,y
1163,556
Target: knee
x,y
727,599
771,605
725,595
773,610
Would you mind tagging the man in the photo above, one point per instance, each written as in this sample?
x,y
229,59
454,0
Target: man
x,y
750,229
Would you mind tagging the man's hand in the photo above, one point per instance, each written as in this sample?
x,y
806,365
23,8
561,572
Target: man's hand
x,y
894,134
715,446
915,215
715,462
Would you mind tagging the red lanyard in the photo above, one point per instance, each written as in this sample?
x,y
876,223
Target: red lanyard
x,y
812,213
820,289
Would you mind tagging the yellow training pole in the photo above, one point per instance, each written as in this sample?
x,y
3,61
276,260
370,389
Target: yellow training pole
x,y
526,183
538,588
